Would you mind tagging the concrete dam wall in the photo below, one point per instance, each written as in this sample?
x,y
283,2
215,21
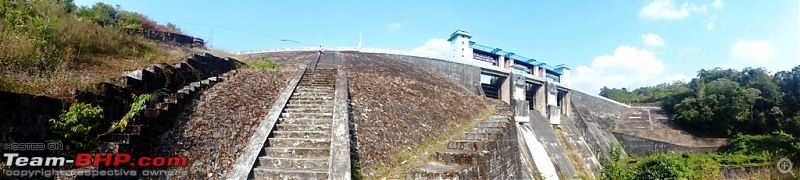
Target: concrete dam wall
x,y
643,147
465,75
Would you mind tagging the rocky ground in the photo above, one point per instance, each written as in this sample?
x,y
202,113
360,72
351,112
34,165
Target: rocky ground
x,y
222,121
397,106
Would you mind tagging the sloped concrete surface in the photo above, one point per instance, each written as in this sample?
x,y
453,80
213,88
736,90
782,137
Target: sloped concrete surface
x,y
541,127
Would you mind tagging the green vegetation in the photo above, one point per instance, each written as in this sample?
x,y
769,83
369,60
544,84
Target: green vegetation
x,y
645,95
138,105
758,110
727,102
48,47
79,124
75,125
744,151
355,169
263,63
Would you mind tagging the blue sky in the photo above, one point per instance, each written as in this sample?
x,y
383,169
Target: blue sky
x,y
617,43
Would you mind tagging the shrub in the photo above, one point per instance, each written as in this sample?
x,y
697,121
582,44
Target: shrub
x,y
138,105
74,126
662,166
264,63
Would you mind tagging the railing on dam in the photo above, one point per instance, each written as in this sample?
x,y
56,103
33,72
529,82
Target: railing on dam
x,y
406,53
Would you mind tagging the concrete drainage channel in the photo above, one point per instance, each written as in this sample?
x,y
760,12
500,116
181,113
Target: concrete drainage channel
x,y
305,135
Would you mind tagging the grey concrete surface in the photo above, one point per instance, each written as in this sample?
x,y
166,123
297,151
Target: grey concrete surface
x,y
340,142
544,133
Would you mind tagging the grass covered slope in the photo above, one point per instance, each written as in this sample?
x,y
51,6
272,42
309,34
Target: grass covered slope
x,y
397,107
49,47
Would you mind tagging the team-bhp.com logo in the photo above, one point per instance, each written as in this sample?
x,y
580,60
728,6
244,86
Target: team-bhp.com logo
x,y
94,159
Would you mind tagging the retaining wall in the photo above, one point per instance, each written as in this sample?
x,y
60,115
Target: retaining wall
x,y
643,147
167,37
23,117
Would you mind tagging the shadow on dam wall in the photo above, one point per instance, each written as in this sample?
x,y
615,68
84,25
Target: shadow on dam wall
x,y
596,118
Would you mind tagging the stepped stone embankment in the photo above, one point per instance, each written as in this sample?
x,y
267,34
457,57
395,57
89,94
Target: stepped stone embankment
x,y
213,131
397,106
488,151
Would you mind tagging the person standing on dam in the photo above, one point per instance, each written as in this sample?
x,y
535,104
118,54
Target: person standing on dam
x,y
321,50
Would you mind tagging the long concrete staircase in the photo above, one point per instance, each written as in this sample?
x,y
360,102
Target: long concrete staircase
x,y
299,147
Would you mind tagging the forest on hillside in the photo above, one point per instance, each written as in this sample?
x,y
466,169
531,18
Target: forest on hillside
x,y
757,109
726,102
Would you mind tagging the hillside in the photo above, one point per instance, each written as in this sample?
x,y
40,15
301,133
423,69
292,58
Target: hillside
x,y
52,47
757,110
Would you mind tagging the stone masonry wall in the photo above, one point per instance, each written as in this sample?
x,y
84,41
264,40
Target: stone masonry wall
x,y
644,147
24,117
488,151
167,37
467,76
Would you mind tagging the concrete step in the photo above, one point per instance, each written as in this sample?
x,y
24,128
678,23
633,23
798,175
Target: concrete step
x,y
316,85
467,145
311,98
460,157
299,142
313,94
311,101
319,79
480,136
302,134
319,91
288,115
318,82
307,105
316,88
293,163
490,124
296,152
306,121
303,127
267,173
310,109
488,129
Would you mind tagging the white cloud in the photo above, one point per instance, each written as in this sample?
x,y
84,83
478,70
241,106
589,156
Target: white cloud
x,y
439,47
627,67
758,51
395,26
710,24
668,10
652,40
717,4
